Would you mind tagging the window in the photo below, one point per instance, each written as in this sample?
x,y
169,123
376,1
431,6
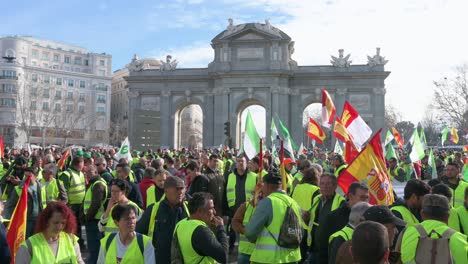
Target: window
x,y
70,95
58,94
82,84
101,87
34,91
33,105
46,93
66,59
101,62
8,88
34,77
81,109
101,99
8,102
82,97
78,60
86,62
70,83
45,106
35,53
101,109
69,108
56,57
58,81
45,55
9,75
46,79
58,108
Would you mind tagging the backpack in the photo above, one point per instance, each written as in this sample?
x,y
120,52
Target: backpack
x,y
433,251
139,238
176,253
290,235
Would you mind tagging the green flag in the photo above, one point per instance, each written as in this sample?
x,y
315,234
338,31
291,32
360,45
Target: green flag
x,y
388,138
444,135
417,149
338,148
422,137
431,163
287,141
390,152
251,142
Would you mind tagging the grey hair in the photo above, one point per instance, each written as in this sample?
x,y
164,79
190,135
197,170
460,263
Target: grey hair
x,y
49,158
318,167
51,167
355,217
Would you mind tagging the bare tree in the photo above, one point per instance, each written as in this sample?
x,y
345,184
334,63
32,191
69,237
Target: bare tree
x,y
451,97
432,125
392,116
117,133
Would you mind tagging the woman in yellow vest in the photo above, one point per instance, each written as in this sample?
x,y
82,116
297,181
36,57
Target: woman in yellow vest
x,y
307,189
125,246
239,221
54,241
119,191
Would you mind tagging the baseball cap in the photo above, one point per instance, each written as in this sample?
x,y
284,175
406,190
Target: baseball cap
x,y
174,182
383,215
435,204
272,178
337,157
20,160
287,161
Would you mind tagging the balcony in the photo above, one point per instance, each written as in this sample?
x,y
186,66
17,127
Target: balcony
x,y
7,91
103,101
9,77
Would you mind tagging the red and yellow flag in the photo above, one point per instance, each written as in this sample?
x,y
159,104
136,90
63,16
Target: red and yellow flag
x,y
398,138
369,168
315,132
328,109
64,158
17,228
454,135
341,132
2,147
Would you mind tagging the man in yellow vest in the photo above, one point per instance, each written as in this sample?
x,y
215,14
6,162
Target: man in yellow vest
x,y
93,209
54,188
338,164
395,171
159,219
264,229
125,246
463,214
457,185
240,188
408,209
197,242
435,213
74,182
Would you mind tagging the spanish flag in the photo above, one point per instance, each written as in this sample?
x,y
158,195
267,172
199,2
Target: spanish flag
x,y
341,132
369,168
398,138
454,135
315,132
17,228
64,158
328,109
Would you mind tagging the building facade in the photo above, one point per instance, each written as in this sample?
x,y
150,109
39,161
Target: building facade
x,y
252,65
53,93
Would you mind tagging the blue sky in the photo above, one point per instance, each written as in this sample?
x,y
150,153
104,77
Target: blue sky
x,y
423,40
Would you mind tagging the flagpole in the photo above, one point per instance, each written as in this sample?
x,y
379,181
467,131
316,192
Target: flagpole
x,y
259,174
282,169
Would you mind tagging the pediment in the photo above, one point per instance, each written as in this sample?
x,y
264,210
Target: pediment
x,y
250,36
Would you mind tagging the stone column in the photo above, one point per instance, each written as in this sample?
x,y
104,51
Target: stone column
x,y
221,115
208,118
167,119
378,100
134,99
339,100
296,114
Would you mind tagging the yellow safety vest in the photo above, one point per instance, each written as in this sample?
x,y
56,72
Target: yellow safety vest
x,y
41,253
184,232
131,176
337,201
454,221
266,248
463,217
76,192
89,196
339,170
250,183
52,190
110,226
457,243
458,195
132,255
245,246
346,233
154,213
406,214
151,196
43,204
303,195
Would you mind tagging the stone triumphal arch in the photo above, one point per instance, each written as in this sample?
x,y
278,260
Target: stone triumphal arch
x,y
252,65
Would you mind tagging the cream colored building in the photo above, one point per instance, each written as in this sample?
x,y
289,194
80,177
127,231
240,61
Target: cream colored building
x,y
53,93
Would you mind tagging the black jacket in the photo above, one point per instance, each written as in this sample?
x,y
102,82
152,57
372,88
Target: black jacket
x,y
199,184
166,220
135,195
334,222
139,172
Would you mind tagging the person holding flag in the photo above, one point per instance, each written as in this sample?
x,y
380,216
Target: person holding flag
x,y
54,239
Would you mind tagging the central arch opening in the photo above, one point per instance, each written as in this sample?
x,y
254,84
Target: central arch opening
x,y
189,127
258,114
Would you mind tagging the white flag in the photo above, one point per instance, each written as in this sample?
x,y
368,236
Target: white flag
x,y
124,151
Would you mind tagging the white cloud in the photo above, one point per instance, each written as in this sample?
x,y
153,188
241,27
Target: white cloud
x,y
197,55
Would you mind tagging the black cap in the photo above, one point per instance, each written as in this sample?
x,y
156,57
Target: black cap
x,y
383,215
272,178
20,160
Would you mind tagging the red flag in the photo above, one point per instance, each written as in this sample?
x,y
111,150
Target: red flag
x,y
465,148
17,228
350,152
328,109
357,127
398,138
369,168
64,158
2,147
341,132
315,132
